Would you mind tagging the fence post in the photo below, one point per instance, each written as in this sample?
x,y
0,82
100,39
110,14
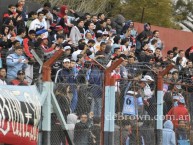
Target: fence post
x,y
159,122
50,99
109,105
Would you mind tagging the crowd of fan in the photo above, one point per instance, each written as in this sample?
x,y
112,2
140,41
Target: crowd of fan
x,y
86,39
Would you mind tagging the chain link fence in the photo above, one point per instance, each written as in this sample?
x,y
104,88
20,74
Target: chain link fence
x,y
136,108
81,104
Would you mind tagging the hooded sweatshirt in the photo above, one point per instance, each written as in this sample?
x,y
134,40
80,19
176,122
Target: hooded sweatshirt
x,y
63,21
168,134
71,121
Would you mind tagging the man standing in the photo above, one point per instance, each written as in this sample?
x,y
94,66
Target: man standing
x,y
29,43
77,32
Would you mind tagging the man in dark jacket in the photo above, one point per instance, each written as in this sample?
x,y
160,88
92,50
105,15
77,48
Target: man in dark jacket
x,y
82,134
65,75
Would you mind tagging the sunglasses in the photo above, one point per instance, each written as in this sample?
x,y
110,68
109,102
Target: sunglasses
x,y
21,74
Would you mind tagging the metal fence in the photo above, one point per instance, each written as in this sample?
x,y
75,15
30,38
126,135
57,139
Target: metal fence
x,y
138,123
81,105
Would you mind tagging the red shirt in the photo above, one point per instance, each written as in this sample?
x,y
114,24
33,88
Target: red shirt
x,y
177,113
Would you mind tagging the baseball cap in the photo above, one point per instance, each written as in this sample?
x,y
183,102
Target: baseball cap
x,y
66,60
181,100
67,47
143,80
147,77
132,92
176,97
59,28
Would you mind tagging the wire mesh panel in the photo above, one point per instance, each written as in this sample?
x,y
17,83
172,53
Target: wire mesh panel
x,y
80,100
134,113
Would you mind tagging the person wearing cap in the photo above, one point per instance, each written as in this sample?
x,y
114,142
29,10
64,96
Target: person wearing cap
x,y
175,100
56,31
20,79
77,32
105,36
178,112
67,50
145,89
65,75
15,62
131,103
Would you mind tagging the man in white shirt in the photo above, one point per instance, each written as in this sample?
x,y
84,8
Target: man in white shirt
x,y
181,54
2,76
49,16
153,45
39,23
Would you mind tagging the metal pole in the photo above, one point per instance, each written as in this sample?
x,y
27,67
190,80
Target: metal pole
x,y
46,110
159,110
109,104
159,121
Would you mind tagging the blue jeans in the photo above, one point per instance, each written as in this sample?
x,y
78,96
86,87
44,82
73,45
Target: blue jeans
x,y
96,106
74,100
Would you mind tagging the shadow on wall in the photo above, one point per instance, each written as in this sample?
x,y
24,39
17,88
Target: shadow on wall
x,y
30,6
